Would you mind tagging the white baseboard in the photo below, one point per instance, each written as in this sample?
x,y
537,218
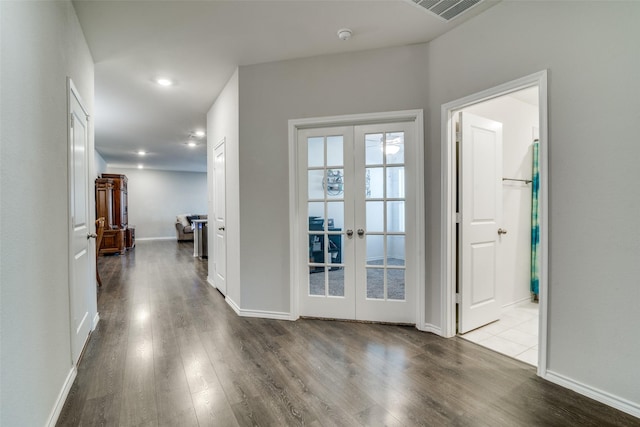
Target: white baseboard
x,y
609,399
96,319
210,281
233,305
262,314
527,298
142,239
428,327
62,397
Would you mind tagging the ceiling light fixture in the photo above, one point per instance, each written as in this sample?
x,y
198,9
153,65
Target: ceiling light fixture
x,y
391,149
344,34
163,81
141,152
140,166
192,144
199,133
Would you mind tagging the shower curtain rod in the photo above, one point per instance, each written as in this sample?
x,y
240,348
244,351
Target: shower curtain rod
x,y
526,181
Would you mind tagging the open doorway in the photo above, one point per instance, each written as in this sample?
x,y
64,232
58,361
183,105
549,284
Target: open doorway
x,y
506,293
495,278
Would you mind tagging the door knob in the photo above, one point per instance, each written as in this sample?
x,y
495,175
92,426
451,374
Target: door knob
x,y
360,232
91,236
501,231
221,228
349,233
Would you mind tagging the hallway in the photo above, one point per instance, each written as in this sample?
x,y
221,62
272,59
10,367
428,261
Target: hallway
x,y
169,351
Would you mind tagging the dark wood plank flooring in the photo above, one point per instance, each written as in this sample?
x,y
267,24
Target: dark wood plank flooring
x,y
168,351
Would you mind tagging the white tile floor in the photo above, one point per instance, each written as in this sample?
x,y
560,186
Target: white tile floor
x,y
515,334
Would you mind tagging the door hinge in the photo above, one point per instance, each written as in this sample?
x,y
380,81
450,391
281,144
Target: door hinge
x,y
458,217
457,298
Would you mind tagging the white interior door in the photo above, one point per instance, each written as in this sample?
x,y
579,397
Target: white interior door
x,y
219,223
354,223
82,276
480,207
326,194
385,223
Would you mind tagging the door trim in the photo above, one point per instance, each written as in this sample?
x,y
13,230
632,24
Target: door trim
x,y
414,116
448,203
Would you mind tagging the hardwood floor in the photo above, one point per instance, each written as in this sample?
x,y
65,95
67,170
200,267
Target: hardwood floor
x,y
169,351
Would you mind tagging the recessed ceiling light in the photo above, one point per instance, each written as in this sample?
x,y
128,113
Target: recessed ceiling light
x,y
140,166
141,152
163,81
199,133
191,144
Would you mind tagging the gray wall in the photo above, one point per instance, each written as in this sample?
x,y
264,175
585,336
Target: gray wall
x,y
591,52
223,123
99,163
270,95
157,196
42,44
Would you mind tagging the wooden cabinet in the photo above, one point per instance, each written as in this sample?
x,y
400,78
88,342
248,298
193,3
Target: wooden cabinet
x,y
104,201
130,239
120,199
113,242
112,204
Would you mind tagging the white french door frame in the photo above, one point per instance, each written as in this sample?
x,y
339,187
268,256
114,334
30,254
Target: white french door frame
x,y
413,116
449,185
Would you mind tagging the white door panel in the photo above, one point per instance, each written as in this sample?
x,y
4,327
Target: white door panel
x,y
480,190
82,276
219,222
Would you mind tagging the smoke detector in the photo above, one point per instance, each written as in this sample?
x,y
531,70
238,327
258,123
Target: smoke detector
x,y
344,34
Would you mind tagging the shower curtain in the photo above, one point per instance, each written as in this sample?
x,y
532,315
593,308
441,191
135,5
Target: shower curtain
x,y
535,227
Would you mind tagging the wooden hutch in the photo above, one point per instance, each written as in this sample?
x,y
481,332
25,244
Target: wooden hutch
x,y
112,203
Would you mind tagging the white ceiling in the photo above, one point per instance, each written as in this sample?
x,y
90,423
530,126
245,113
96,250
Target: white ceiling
x,y
200,43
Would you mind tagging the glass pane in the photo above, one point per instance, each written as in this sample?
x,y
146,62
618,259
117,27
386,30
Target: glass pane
x,y
334,151
315,151
316,248
375,183
316,215
395,250
335,213
316,281
373,148
395,284
375,283
395,217
336,242
375,250
395,147
395,182
336,281
316,190
375,216
335,183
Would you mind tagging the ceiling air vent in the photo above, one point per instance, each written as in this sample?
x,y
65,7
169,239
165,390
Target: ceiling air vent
x,y
447,9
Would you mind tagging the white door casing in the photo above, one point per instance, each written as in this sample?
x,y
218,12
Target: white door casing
x,y
480,199
219,213
373,246
82,276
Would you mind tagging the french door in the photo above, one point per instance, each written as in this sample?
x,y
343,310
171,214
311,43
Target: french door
x,y
357,219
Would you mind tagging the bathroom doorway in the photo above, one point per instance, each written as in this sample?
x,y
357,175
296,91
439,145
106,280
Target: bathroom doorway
x,y
494,268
